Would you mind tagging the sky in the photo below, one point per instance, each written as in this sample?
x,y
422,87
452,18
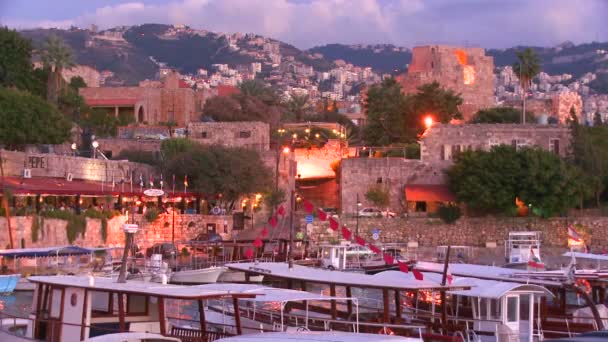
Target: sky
x,y
308,23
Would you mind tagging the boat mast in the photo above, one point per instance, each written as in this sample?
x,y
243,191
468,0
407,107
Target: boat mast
x,y
444,278
7,212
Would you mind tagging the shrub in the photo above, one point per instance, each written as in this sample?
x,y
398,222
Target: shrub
x,y
151,214
378,195
77,224
35,227
185,251
449,213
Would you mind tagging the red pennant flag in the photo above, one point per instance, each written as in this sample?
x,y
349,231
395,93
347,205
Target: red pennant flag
x,y
309,207
322,215
417,274
281,211
360,240
249,253
403,267
450,278
257,243
333,224
346,233
374,249
273,221
264,232
388,259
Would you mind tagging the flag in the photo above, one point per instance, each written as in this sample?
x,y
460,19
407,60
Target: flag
x,y
186,181
374,249
417,274
403,267
161,181
322,215
346,233
388,259
309,207
273,221
249,253
151,181
574,235
333,224
534,261
264,232
257,243
360,240
449,277
281,210
141,180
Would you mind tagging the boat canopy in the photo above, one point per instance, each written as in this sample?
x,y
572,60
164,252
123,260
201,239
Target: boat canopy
x,y
319,336
316,275
49,251
103,284
270,294
587,256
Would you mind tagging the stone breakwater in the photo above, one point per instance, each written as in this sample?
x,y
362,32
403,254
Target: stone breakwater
x,y
475,232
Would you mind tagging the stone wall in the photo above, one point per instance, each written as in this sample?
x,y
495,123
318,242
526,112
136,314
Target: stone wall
x,y
358,174
473,232
442,142
252,134
58,166
467,71
116,145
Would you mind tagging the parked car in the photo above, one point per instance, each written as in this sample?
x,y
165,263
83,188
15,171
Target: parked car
x,y
166,249
373,212
207,237
331,212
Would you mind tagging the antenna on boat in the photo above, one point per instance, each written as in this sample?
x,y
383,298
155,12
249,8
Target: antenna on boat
x,y
444,278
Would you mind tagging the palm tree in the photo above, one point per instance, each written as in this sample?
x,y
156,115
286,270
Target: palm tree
x,y
298,106
526,68
258,89
56,56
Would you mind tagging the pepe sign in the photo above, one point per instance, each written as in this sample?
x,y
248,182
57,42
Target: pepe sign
x,y
154,192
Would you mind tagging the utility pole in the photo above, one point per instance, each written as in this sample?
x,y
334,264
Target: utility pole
x,y
292,207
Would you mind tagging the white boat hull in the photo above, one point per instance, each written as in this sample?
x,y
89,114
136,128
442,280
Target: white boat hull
x,y
230,276
200,276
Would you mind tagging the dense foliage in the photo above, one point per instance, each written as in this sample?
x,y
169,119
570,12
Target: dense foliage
x,y
491,181
393,117
215,170
378,196
589,151
501,115
28,119
449,213
15,61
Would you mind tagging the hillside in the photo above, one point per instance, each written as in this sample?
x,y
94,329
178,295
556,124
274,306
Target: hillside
x,y
382,58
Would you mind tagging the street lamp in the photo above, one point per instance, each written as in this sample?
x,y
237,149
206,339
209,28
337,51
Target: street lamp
x,y
95,145
73,147
130,229
428,121
357,214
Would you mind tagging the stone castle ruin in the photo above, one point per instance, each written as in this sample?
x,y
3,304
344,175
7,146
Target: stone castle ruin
x,y
467,71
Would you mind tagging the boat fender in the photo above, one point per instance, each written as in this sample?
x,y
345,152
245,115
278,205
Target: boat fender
x,y
386,331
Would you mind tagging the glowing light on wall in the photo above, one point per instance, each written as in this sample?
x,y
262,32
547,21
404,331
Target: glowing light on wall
x,y
468,71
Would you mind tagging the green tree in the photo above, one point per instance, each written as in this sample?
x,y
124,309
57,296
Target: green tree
x,y
506,115
70,102
100,122
385,106
172,147
28,119
77,82
56,56
257,89
490,181
528,65
396,118
589,152
297,107
16,61
231,172
378,196
240,107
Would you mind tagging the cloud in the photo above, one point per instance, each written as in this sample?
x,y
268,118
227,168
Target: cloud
x,y
305,23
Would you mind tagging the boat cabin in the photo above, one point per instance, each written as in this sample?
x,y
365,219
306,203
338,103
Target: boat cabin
x,y
522,247
344,256
76,308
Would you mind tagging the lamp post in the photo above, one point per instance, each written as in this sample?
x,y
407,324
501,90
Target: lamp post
x,y
130,229
73,147
357,215
95,145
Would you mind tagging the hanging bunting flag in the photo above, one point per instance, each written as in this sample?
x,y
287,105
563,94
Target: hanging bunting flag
x,y
403,267
273,221
249,253
309,207
264,232
333,224
450,277
281,211
417,274
388,259
322,215
346,233
360,240
186,181
374,249
257,243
